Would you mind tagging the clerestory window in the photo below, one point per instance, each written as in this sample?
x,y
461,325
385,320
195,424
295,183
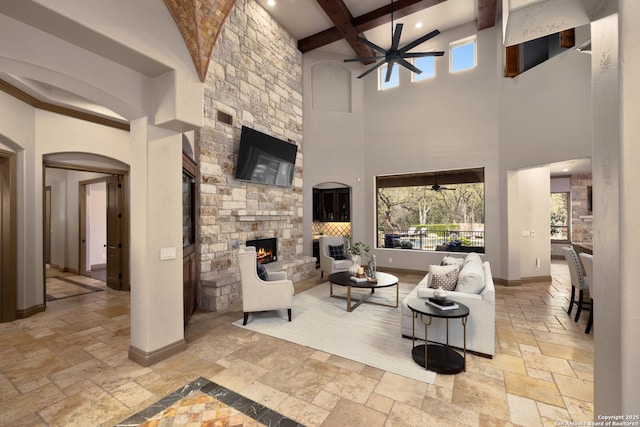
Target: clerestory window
x,y
427,65
462,54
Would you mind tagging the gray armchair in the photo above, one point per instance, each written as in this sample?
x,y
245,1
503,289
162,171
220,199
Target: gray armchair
x,y
329,264
262,295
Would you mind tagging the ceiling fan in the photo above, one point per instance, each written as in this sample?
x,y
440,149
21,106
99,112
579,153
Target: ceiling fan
x,y
395,54
439,188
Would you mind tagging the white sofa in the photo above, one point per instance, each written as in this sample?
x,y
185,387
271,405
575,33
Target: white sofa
x,y
481,323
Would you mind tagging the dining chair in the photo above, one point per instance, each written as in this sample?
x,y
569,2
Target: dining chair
x,y
578,281
587,262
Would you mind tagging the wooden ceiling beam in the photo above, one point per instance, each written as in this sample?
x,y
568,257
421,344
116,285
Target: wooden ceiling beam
x,y
364,22
339,14
487,10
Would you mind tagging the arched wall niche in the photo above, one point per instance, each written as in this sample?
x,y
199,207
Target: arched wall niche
x,y
331,87
339,195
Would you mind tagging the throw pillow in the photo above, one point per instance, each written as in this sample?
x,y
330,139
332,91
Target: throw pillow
x,y
444,276
337,252
449,260
471,278
262,272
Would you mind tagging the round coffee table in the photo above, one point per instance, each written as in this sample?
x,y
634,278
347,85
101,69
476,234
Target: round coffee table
x,y
437,357
343,278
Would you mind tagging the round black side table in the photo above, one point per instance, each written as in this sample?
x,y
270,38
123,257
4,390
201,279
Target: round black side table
x,y
437,357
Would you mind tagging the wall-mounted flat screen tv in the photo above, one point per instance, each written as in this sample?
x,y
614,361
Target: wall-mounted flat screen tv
x,y
265,159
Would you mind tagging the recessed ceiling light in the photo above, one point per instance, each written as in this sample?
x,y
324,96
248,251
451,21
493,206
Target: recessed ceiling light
x,y
419,25
565,170
271,3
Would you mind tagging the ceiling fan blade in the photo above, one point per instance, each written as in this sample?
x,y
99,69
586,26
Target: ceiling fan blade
x,y
364,58
374,67
410,66
422,54
396,37
371,45
387,77
419,41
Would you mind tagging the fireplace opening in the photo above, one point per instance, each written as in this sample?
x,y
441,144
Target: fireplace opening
x,y
266,249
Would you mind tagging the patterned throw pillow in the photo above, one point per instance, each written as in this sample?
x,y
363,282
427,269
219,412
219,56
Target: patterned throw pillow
x,y
445,276
337,252
262,272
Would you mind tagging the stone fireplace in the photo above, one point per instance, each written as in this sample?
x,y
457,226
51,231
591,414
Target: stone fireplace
x,y
266,249
266,98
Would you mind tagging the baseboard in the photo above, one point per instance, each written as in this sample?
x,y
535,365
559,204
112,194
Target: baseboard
x,y
103,265
147,359
521,281
28,312
71,270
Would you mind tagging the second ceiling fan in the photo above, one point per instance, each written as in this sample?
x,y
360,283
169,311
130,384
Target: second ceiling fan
x,y
396,54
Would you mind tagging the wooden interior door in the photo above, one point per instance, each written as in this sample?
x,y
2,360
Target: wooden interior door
x,y
115,229
8,239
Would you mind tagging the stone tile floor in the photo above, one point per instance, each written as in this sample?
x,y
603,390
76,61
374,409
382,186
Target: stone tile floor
x,y
68,366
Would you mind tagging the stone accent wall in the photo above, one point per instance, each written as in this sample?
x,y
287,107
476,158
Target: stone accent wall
x,y
581,216
255,76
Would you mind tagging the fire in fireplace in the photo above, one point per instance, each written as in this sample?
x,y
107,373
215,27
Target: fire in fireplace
x,y
266,249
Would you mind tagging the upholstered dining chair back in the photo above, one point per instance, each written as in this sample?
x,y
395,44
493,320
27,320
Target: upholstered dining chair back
x,y
578,281
578,278
587,262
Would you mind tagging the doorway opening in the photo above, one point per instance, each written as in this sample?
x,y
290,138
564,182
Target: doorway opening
x,y
86,229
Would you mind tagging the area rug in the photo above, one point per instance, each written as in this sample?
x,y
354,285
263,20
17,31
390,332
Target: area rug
x,y
370,334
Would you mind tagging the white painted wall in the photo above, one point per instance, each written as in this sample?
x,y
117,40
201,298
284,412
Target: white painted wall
x,y
476,118
56,179
533,218
629,15
334,145
607,248
96,224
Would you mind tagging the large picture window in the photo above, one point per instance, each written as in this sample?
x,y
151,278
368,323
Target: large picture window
x,y
441,210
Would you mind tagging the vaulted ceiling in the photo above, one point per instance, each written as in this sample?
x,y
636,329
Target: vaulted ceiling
x,y
334,25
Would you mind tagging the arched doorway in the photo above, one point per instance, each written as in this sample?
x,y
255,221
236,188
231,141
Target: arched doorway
x,y
69,177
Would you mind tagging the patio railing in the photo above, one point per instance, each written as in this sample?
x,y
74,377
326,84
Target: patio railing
x,y
428,239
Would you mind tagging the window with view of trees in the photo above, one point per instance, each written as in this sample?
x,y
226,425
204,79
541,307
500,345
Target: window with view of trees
x,y
431,210
560,216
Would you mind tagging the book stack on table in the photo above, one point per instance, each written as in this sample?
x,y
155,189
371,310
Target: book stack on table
x,y
442,304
